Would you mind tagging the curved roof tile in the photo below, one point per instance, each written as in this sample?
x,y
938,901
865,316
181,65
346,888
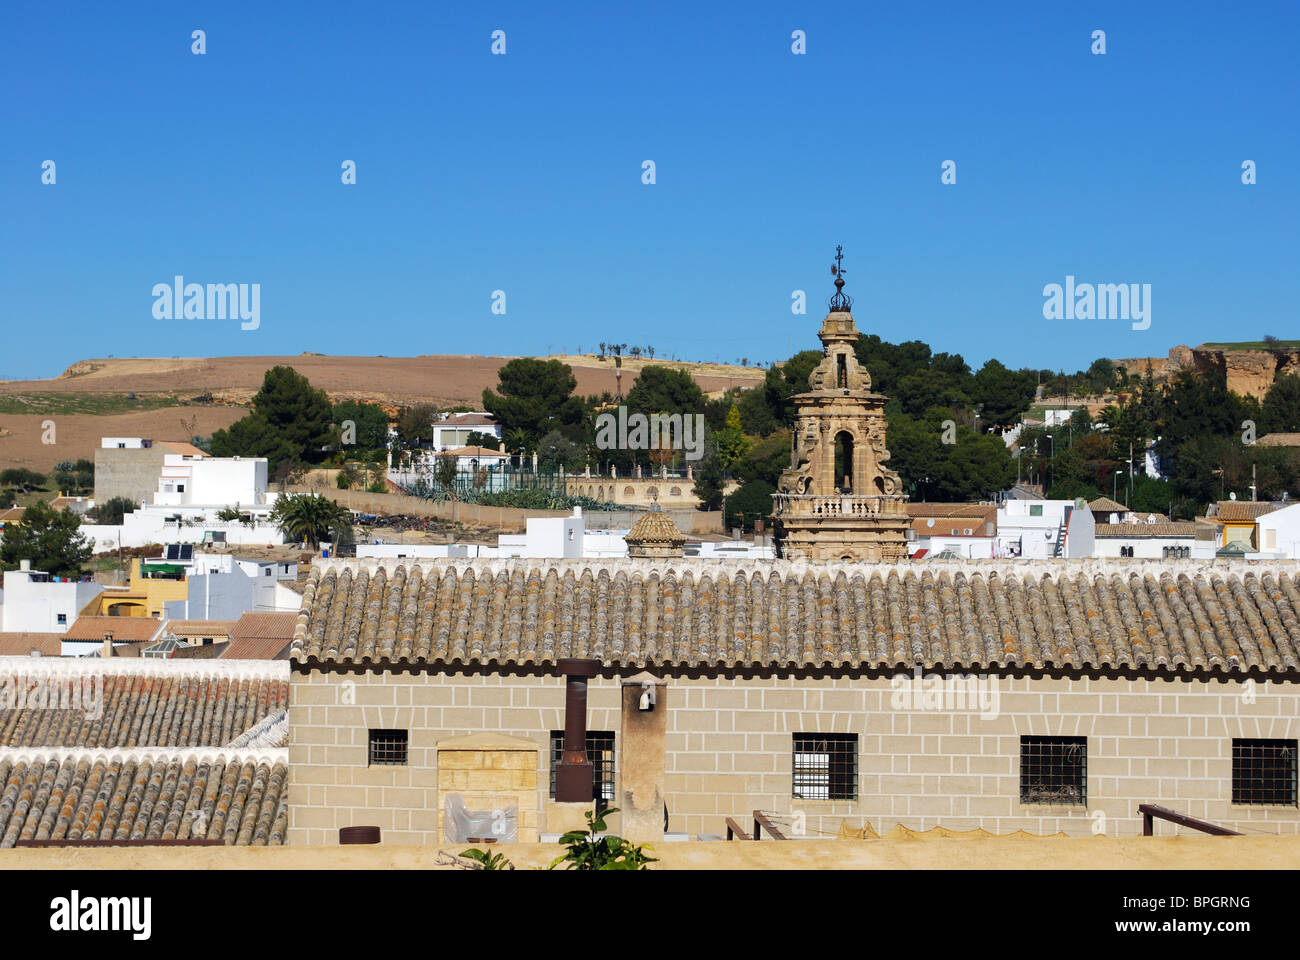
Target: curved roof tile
x,y
1098,614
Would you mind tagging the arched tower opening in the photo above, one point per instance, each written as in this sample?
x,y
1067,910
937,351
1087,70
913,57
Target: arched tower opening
x,y
844,462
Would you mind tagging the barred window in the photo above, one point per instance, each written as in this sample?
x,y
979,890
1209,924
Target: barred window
x,y
825,766
1264,772
1054,770
600,751
388,748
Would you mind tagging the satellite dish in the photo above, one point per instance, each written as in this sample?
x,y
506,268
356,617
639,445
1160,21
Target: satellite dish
x,y
930,522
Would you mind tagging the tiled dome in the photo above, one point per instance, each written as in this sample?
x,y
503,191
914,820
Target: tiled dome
x,y
655,535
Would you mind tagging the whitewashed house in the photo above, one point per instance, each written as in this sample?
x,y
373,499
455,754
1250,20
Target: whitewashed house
x,y
36,602
1043,529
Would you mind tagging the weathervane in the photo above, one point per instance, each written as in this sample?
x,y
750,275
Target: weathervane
x,y
840,303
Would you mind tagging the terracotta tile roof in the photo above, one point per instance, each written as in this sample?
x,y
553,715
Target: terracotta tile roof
x,y
123,629
1242,510
140,703
475,452
144,795
732,613
22,643
261,636
207,651
1106,505
467,420
952,510
12,514
182,447
1187,529
200,628
952,526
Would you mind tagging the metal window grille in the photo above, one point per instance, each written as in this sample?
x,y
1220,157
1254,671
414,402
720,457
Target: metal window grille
x,y
825,766
600,751
388,747
1264,771
1054,770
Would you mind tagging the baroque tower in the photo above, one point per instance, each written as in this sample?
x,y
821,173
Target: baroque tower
x,y
838,500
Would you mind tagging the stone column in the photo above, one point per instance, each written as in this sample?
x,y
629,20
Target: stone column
x,y
642,758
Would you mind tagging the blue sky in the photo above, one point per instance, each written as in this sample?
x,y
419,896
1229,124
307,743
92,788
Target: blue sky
x,y
523,172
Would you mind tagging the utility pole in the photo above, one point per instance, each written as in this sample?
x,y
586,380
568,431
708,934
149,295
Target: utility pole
x,y
1130,473
1252,483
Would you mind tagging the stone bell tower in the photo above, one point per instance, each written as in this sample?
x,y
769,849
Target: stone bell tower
x,y
838,500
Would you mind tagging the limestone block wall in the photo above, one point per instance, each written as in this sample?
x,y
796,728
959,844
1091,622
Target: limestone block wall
x,y
489,775
729,748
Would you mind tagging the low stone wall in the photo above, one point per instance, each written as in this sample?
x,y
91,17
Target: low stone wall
x,y
1102,853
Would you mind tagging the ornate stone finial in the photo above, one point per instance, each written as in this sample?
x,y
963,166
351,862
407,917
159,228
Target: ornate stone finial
x,y
841,302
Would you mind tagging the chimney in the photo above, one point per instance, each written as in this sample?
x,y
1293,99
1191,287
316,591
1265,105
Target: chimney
x,y
107,649
24,565
573,774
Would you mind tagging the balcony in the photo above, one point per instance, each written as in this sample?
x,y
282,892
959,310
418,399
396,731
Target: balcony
x,y
838,505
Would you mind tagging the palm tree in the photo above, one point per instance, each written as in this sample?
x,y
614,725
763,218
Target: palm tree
x,y
310,518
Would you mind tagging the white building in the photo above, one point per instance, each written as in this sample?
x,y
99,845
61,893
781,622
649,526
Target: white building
x,y
191,491
1041,529
35,602
557,538
453,430
1160,540
1279,534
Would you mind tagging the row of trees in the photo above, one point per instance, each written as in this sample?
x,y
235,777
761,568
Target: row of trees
x,y
1204,439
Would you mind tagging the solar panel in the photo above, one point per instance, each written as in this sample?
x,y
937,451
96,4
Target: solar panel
x,y
186,551
173,551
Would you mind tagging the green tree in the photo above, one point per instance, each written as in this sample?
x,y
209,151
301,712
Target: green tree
x,y
51,539
75,479
536,396
415,426
369,422
24,480
1004,394
555,451
1280,412
709,480
665,390
732,445
310,518
444,472
752,501
291,423
112,510
347,477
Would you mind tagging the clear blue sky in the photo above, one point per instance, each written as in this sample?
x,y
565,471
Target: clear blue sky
x,y
523,173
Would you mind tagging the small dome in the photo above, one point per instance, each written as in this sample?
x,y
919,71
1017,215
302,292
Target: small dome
x,y
655,535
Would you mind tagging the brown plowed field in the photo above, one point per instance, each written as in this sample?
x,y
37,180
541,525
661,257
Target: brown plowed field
x,y
232,381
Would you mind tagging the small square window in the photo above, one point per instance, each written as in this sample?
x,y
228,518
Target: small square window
x,y
388,748
63,618
1264,772
1054,770
825,766
1036,510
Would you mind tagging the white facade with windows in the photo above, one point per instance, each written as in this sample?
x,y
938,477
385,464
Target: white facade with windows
x,y
35,602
